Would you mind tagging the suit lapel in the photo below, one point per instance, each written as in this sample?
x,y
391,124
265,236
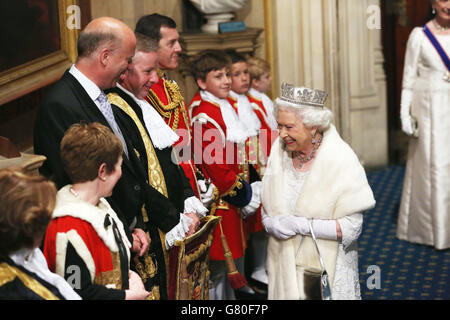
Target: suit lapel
x,y
86,103
91,110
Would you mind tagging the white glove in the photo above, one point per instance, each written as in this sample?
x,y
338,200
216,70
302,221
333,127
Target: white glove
x,y
405,109
179,231
274,226
206,192
324,229
193,204
298,224
255,201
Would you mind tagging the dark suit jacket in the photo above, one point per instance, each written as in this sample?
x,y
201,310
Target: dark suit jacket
x,y
178,186
68,103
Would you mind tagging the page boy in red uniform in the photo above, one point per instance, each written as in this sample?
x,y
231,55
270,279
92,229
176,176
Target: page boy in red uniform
x,y
219,151
240,84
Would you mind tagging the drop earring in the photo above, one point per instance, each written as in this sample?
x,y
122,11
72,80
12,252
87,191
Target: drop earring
x,y
313,140
433,11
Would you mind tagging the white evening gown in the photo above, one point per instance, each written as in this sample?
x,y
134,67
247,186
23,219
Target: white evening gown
x,y
346,278
424,215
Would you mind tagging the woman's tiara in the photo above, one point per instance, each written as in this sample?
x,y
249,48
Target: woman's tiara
x,y
303,96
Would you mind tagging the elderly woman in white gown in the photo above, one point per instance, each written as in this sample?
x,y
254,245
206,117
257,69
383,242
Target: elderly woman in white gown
x,y
312,174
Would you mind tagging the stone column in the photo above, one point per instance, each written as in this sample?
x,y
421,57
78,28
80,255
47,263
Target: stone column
x,y
330,45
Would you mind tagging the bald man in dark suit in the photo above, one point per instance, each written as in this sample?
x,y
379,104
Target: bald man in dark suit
x,y
105,47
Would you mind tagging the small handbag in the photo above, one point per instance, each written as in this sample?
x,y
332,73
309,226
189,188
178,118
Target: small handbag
x,y
314,281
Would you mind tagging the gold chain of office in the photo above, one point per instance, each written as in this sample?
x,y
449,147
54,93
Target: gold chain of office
x,y
174,100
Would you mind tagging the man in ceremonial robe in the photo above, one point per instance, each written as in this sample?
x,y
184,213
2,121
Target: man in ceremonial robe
x,y
151,140
165,95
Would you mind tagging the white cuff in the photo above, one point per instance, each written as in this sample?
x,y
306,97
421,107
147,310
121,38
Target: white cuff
x,y
255,201
179,231
193,204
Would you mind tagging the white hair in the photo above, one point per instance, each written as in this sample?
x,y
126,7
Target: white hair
x,y
310,116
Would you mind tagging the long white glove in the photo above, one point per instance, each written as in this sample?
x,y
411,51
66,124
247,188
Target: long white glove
x,y
206,192
278,226
408,122
193,204
324,229
287,225
255,201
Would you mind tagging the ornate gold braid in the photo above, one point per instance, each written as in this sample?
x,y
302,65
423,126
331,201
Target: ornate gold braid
x,y
175,101
155,173
9,273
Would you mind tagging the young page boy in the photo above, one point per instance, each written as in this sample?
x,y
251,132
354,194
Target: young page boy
x,y
260,83
219,151
250,113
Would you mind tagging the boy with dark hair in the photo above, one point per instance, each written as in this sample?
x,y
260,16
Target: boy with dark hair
x,y
219,152
250,114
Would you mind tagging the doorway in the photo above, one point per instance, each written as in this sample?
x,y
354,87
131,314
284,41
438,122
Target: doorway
x,y
399,17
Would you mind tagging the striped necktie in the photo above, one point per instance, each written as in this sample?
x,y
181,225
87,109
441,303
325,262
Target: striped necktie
x,y
106,109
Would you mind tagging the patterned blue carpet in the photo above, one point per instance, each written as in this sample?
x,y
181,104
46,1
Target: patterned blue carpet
x,y
390,268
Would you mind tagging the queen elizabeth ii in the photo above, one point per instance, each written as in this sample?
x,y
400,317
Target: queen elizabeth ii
x,y
312,176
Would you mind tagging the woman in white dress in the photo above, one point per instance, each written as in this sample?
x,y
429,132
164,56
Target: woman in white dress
x,y
312,174
424,215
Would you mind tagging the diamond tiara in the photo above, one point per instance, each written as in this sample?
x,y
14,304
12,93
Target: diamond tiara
x,y
303,96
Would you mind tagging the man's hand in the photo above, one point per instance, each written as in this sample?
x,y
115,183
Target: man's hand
x,y
194,225
140,242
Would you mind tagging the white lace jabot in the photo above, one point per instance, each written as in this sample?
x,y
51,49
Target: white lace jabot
x,y
161,134
268,105
236,130
246,114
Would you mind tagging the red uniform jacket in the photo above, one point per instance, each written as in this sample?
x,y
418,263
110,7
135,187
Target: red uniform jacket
x,y
166,98
269,135
225,163
254,147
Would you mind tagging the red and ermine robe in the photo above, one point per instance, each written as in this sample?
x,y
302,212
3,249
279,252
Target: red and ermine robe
x,y
80,246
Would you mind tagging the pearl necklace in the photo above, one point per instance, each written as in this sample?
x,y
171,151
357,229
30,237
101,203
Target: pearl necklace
x,y
74,192
439,27
304,160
